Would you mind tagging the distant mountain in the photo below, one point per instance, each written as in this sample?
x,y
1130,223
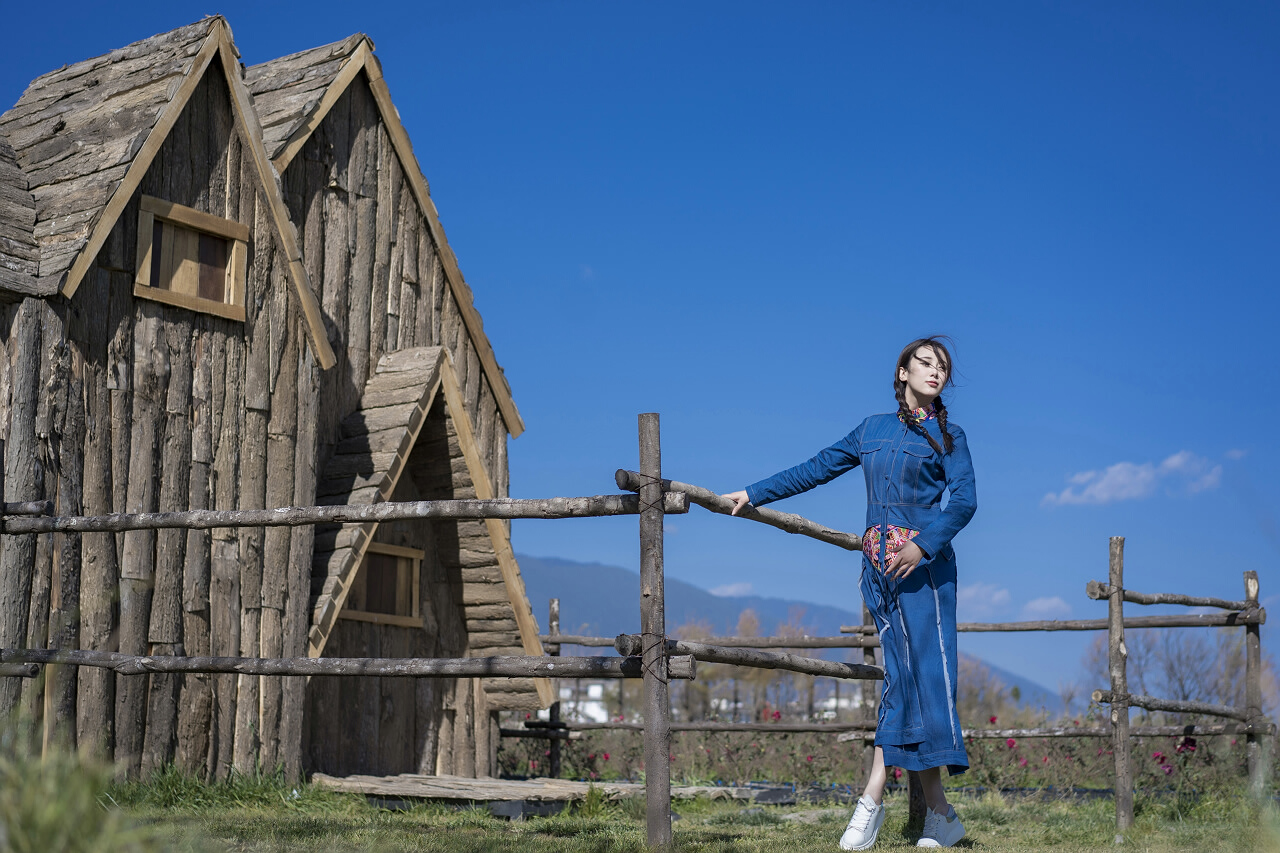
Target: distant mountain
x,y
601,600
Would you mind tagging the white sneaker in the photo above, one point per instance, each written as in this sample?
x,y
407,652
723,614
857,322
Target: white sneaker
x,y
941,830
864,826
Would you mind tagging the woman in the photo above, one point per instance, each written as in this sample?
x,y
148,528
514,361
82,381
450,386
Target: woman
x,y
908,579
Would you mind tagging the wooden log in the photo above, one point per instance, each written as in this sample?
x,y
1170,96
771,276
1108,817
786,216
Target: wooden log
x,y
138,556
298,582
653,632
224,633
1099,591
1256,616
1117,656
785,521
19,670
64,628
162,715
29,508
224,590
195,715
1197,730
542,734
1173,706
553,650
506,666
631,644
95,700
804,642
584,507
23,481
1258,750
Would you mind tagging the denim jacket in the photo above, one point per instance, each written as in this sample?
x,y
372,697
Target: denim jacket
x,y
905,479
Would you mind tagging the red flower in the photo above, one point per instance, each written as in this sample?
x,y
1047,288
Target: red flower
x,y
591,756
1188,745
777,715
1158,756
1166,768
533,765
1011,743
1022,762
547,753
1046,759
1233,741
897,773
992,720
808,758
606,756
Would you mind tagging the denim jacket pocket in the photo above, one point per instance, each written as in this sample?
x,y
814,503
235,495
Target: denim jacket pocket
x,y
922,450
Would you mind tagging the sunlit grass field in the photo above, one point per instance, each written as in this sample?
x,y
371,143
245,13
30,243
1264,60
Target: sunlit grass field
x,y
266,814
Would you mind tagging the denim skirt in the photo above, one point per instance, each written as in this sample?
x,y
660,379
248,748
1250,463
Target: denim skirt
x,y
917,726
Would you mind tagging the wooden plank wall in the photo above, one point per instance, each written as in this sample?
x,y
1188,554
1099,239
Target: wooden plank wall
x,y
177,410
383,289
173,410
366,245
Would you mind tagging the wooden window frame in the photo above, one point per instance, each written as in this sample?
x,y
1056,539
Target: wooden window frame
x,y
235,233
414,620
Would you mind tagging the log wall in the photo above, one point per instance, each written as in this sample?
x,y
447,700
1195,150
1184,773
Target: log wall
x,y
113,403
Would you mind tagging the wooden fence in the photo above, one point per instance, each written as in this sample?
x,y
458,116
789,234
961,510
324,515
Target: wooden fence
x,y
651,655
1248,720
653,658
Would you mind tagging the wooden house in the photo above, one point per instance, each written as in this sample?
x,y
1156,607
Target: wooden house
x,y
226,287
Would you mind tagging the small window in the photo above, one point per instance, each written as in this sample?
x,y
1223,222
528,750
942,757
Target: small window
x,y
191,259
385,588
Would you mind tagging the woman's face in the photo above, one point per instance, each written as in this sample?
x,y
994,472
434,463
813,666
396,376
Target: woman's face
x,y
925,374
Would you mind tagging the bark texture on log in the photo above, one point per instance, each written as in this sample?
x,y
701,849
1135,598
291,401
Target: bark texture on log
x,y
785,521
585,507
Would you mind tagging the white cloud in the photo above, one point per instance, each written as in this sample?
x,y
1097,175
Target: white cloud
x,y
731,590
1183,472
977,601
587,273
1050,607
1235,454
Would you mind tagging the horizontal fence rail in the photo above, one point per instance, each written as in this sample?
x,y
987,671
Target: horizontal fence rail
x,y
1100,591
295,516
630,644
805,642
682,667
1173,706
631,481
1251,616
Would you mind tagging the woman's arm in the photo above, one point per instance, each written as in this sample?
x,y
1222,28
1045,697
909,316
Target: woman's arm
x,y
822,468
958,467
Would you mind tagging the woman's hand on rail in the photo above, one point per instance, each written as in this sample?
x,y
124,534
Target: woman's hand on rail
x,y
902,563
739,499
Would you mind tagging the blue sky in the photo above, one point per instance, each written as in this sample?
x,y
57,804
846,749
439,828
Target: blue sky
x,y
735,214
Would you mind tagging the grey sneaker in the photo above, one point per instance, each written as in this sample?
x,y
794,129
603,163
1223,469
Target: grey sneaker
x,y
864,826
941,830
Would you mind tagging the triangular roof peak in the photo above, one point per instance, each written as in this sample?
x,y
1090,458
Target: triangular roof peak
x,y
86,134
294,94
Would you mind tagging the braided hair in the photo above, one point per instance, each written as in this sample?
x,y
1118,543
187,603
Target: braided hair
x,y
939,408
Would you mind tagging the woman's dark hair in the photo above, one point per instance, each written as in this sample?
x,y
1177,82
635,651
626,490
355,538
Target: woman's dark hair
x,y
943,355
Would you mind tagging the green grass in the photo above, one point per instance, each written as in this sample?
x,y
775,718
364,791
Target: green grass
x,y
264,814
63,803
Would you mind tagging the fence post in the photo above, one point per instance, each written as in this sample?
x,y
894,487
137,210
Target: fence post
x,y
553,650
1256,747
1117,655
657,705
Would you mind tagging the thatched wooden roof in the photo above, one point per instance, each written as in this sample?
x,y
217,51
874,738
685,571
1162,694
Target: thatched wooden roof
x,y
19,254
84,134
75,132
289,91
